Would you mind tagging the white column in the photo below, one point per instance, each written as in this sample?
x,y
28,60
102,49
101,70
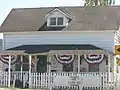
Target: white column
x,y
78,63
108,63
9,72
35,63
30,58
49,60
108,69
49,69
21,68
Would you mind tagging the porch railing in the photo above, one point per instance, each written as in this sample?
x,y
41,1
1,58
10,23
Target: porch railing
x,y
3,79
14,76
82,81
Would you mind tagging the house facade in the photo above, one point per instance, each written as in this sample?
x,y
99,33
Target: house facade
x,y
60,40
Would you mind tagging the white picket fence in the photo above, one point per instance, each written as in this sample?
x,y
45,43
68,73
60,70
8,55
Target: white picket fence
x,y
14,75
63,80
3,79
73,80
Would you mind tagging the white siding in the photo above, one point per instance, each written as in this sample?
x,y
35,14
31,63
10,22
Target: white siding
x,y
104,40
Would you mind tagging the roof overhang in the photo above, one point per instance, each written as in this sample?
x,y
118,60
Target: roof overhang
x,y
81,52
54,49
54,52
12,52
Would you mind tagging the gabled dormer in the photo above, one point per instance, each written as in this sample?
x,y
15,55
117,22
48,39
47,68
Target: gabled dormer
x,y
57,18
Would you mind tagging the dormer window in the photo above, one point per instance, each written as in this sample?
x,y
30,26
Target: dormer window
x,y
52,21
56,21
60,21
57,18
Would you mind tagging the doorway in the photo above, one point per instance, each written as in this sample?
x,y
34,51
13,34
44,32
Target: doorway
x,y
42,63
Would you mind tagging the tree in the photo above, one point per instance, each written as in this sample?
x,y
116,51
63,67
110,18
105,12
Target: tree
x,y
99,2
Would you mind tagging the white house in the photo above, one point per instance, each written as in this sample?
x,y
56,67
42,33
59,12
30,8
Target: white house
x,y
58,43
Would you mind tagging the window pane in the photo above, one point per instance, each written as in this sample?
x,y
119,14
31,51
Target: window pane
x,y
17,67
25,67
52,21
60,21
26,59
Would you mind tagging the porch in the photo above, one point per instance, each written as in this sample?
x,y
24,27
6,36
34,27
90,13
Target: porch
x,y
62,76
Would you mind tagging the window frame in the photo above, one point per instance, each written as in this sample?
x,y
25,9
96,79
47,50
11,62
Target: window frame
x,y
51,21
24,63
56,22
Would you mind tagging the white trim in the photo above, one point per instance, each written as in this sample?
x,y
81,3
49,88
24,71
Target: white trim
x,y
56,24
56,9
58,32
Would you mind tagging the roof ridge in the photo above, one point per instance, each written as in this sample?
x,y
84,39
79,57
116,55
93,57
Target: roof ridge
x,y
45,7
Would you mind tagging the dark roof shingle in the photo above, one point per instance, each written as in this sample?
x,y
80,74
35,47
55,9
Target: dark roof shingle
x,y
84,18
47,48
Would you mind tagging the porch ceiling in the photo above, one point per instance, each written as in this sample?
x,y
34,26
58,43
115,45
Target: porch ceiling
x,y
55,49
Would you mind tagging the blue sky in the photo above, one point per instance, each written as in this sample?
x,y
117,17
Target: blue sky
x,y
7,5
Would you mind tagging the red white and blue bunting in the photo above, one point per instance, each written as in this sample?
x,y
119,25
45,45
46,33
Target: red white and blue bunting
x,y
93,58
65,58
5,59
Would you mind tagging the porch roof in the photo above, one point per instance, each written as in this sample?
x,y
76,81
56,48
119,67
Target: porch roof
x,y
55,49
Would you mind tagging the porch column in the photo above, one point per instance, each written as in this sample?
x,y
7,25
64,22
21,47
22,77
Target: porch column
x,y
78,63
108,69
49,69
9,72
35,63
30,59
49,60
21,67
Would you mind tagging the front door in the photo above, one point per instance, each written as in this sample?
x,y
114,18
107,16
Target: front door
x,y
42,63
93,67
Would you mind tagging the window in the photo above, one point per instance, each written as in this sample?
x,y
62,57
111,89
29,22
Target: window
x,y
60,21
52,21
56,21
25,63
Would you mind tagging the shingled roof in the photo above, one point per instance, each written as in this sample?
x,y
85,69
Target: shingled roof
x,y
83,18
